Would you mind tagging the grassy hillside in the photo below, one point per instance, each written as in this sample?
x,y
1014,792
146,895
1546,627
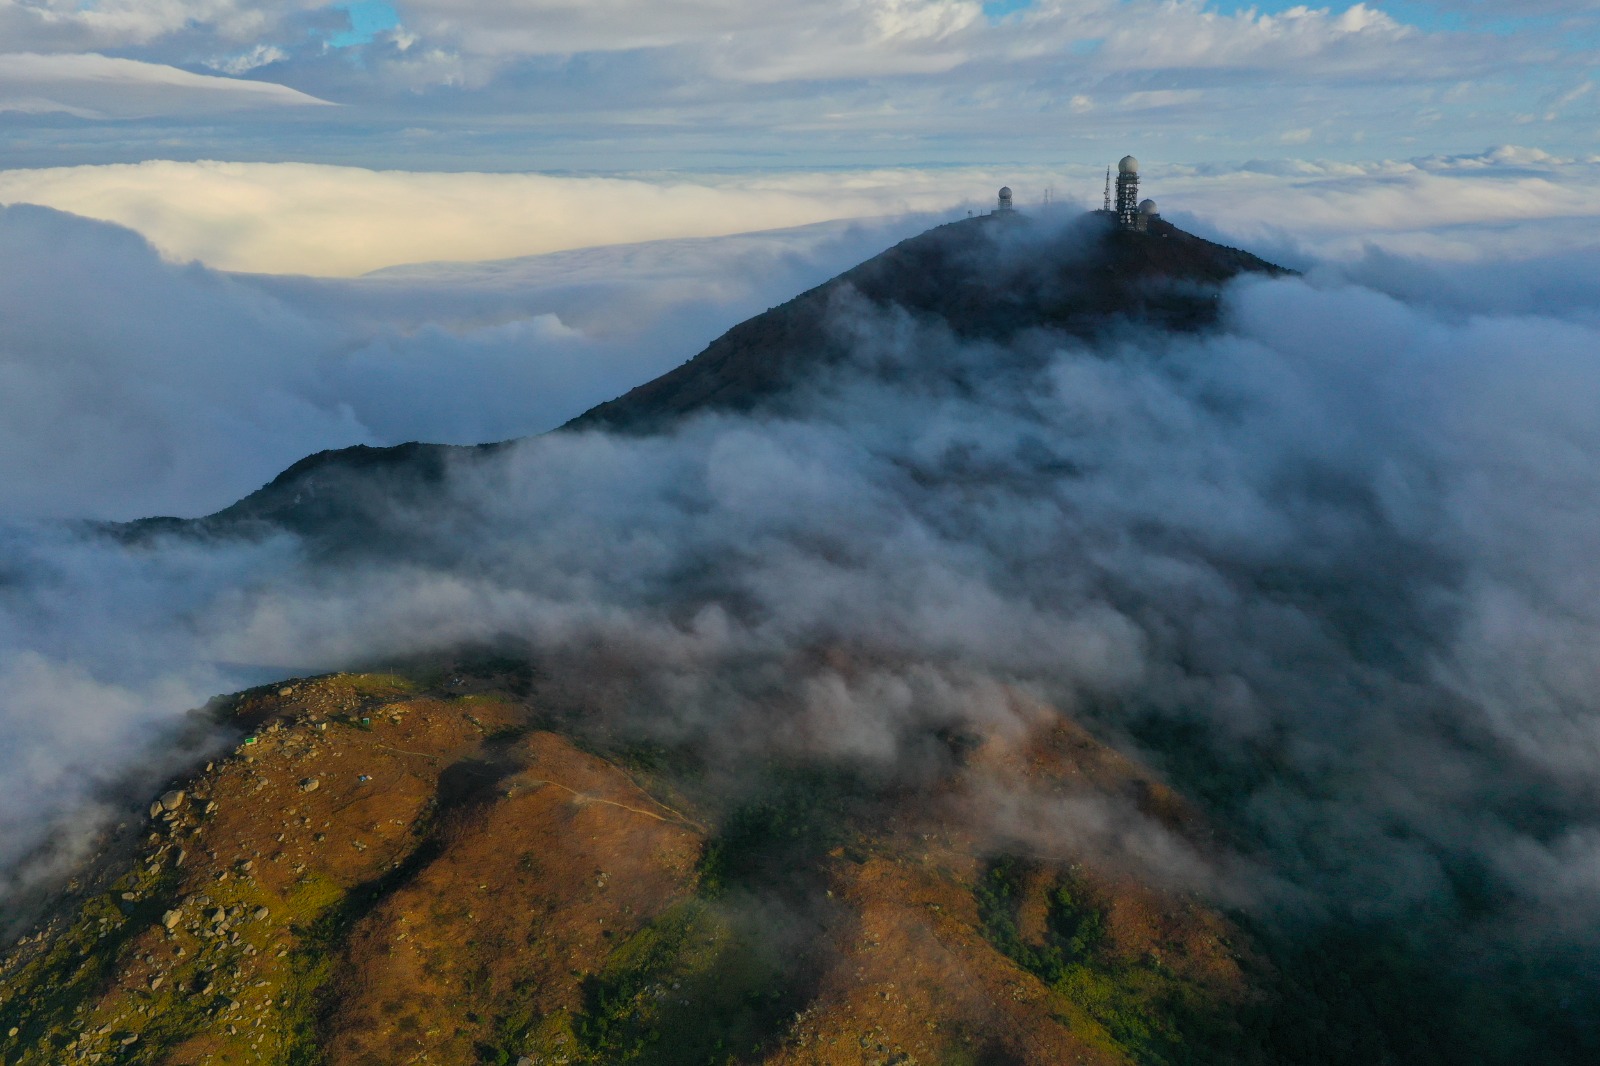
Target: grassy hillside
x,y
389,870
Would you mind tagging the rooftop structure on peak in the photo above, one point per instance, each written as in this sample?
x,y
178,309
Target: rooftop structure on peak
x,y
1005,205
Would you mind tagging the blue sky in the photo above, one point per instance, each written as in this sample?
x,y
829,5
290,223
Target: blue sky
x,y
368,18
653,85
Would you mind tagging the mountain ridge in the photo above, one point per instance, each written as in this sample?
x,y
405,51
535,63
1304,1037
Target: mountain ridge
x,y
990,277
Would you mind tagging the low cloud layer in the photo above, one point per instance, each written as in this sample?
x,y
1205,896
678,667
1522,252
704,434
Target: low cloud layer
x,y
136,386
133,387
303,219
324,220
1330,569
1350,537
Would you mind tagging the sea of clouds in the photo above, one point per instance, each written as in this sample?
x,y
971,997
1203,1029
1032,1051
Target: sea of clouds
x,y
1351,535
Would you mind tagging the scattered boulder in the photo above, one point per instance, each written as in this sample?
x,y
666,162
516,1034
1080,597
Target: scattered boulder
x,y
171,918
309,784
171,801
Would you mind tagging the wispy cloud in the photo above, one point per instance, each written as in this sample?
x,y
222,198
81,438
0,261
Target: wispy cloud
x,y
103,87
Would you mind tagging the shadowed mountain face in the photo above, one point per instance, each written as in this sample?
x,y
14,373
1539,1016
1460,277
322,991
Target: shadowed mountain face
x,y
984,279
992,278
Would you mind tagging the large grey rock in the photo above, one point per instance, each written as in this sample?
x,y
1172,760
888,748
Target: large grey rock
x,y
171,801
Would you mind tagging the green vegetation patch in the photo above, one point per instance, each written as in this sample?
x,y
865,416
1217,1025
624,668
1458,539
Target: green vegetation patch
x,y
389,684
49,1000
699,986
64,1005
325,918
786,828
1141,1010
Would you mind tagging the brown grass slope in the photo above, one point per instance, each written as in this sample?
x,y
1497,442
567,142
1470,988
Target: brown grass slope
x,y
382,873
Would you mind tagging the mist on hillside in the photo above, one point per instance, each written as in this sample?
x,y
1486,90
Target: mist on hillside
x,y
131,386
1331,569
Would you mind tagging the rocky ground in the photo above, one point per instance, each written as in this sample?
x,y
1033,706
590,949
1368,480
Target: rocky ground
x,y
390,869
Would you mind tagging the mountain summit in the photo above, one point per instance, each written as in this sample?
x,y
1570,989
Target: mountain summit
x,y
988,278
985,279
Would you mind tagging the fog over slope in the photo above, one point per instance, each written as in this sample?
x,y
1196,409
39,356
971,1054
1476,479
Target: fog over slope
x,y
1333,566
130,386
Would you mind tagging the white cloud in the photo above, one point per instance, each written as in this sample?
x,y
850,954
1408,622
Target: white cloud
x,y
302,218
73,25
260,56
1510,203
130,386
542,27
843,80
1357,530
103,87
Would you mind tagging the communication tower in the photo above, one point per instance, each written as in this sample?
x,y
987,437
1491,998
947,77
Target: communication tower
x,y
1005,201
1128,193
1108,191
1148,213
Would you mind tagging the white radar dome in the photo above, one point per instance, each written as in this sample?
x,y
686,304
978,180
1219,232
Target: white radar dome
x,y
1005,191
1149,207
1129,165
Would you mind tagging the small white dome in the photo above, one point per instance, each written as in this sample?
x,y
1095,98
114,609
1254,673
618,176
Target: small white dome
x,y
1149,207
1129,165
1005,192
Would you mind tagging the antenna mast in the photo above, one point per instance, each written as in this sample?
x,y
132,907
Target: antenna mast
x,y
1108,191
